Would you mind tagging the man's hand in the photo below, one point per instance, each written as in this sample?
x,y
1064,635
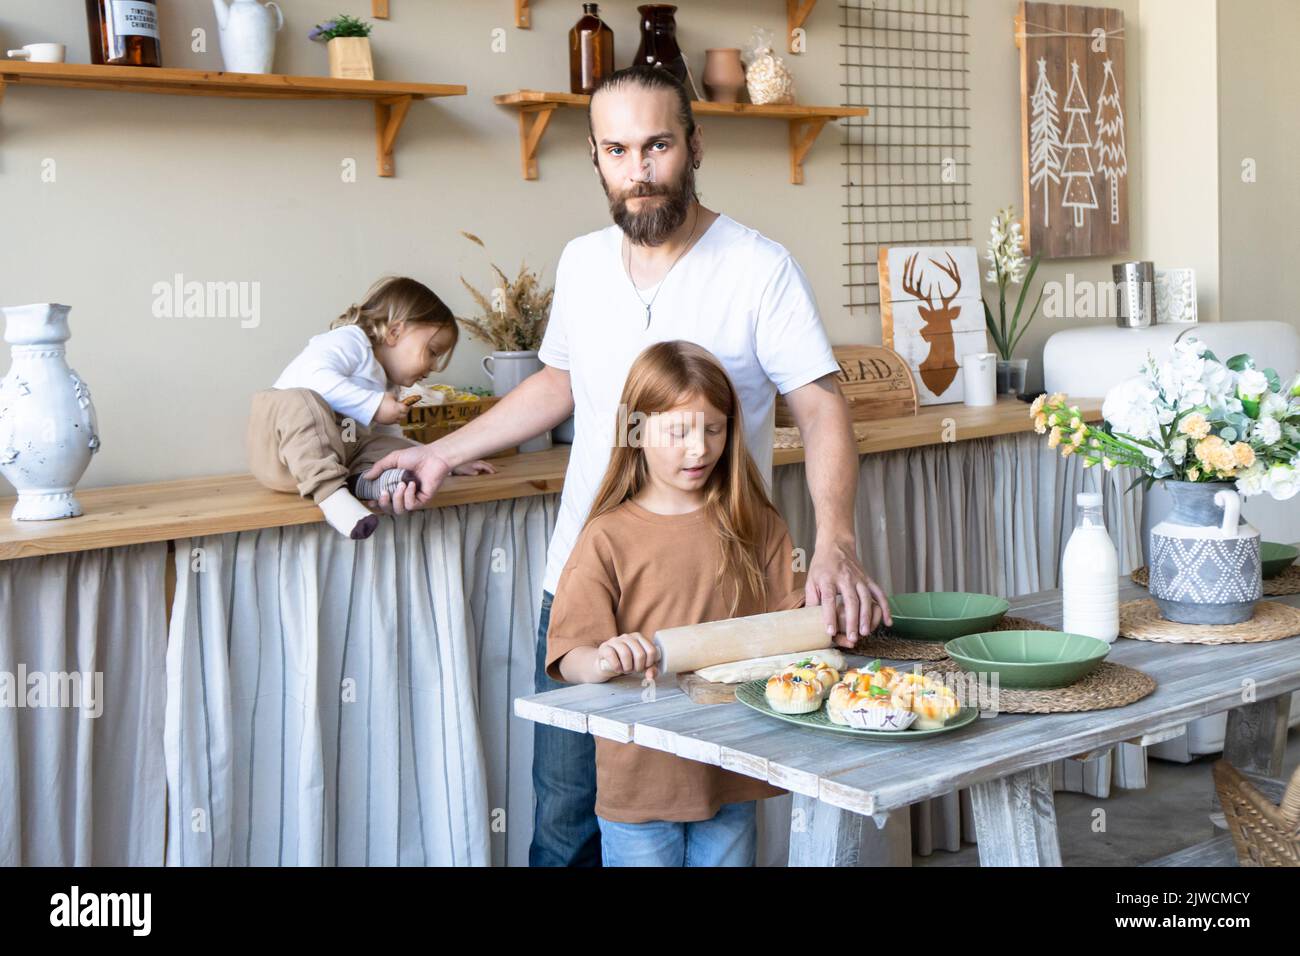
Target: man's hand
x,y
835,570
429,468
474,468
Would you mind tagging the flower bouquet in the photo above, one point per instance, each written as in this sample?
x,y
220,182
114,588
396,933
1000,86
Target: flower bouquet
x,y
1211,432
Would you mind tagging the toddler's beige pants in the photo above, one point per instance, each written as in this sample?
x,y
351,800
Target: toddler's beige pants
x,y
296,442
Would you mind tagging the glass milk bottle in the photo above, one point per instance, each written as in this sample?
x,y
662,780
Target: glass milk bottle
x,y
1090,575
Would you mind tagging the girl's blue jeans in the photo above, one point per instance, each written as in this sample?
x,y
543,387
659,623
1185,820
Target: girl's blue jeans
x,y
729,839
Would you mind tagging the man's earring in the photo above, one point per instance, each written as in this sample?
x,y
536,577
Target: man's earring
x,y
697,164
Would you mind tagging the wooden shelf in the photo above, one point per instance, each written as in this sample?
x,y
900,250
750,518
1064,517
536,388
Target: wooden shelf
x,y
796,14
165,511
391,100
805,122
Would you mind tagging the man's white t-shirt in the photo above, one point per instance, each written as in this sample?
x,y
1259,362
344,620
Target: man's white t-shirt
x,y
736,293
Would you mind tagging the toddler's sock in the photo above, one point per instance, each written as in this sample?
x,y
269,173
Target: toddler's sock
x,y
348,516
371,489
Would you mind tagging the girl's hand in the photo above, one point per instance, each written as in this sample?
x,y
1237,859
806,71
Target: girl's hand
x,y
474,468
628,654
391,411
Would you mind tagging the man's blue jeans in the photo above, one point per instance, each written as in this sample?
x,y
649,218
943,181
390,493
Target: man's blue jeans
x,y
565,830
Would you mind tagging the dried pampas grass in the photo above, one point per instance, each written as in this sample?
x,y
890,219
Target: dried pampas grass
x,y
513,315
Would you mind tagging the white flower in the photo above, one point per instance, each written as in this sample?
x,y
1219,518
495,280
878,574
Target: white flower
x,y
1006,247
1131,408
1273,405
1251,481
1252,383
1178,449
1283,482
1267,431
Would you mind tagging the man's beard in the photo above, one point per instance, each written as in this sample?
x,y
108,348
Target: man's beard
x,y
653,225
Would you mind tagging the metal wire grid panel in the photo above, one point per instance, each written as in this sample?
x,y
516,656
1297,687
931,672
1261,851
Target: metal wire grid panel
x,y
906,164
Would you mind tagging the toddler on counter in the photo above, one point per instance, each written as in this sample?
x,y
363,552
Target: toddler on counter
x,y
681,531
334,412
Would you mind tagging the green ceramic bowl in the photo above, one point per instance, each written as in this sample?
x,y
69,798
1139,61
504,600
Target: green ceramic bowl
x,y
943,615
1275,557
1027,659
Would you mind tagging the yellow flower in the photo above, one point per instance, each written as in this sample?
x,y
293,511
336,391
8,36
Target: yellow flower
x,y
1054,438
1067,450
1040,423
1194,426
1056,398
1193,474
1079,436
1244,454
1208,447
1036,409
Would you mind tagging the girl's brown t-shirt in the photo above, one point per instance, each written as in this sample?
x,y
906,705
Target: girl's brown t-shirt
x,y
633,570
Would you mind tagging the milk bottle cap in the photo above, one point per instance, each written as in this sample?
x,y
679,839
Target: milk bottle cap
x,y
1089,499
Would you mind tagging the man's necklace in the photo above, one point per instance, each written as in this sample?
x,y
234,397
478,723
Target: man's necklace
x,y
649,305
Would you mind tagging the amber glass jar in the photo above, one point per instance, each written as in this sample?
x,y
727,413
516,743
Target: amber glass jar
x,y
591,51
124,32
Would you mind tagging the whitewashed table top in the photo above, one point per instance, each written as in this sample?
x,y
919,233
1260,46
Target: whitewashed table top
x,y
873,777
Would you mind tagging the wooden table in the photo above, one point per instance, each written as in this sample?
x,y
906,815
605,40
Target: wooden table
x,y
191,507
1005,760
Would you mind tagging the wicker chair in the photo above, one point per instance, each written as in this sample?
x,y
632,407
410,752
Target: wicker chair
x,y
1264,834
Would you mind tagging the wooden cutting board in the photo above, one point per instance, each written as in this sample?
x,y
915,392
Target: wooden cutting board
x,y
702,691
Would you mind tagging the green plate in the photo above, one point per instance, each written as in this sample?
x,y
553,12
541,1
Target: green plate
x,y
1028,659
943,615
752,694
1275,557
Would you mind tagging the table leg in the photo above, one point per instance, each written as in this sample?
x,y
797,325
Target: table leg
x,y
1015,819
1255,740
823,835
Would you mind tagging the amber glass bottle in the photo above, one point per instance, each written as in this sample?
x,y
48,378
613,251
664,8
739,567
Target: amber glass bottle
x,y
591,51
124,32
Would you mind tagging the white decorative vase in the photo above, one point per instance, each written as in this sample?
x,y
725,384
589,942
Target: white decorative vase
x,y
47,422
508,369
248,30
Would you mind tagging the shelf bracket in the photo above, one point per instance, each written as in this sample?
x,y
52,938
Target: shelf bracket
x,y
803,133
523,15
796,12
379,9
533,121
2,89
390,114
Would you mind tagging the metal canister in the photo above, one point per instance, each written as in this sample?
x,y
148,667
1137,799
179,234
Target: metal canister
x,y
1135,294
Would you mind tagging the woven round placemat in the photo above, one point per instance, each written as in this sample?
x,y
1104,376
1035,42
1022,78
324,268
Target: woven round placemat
x,y
1288,582
1272,621
884,642
1108,685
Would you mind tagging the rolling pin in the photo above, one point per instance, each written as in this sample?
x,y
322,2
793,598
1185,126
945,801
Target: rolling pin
x,y
693,646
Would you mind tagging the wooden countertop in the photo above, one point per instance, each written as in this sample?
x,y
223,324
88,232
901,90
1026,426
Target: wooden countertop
x,y
164,511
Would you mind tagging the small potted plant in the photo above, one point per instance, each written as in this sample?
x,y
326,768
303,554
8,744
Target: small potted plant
x,y
348,41
1006,255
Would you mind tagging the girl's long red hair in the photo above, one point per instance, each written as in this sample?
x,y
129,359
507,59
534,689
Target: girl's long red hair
x,y
664,376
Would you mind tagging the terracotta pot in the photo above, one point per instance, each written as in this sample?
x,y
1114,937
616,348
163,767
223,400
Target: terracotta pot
x,y
724,75
350,58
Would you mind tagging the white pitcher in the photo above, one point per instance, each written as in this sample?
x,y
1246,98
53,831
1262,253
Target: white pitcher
x,y
48,429
248,30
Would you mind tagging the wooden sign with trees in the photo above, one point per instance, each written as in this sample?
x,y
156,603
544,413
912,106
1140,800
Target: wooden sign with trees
x,y
1073,130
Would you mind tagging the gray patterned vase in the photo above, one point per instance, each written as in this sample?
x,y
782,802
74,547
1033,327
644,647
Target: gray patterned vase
x,y
1205,566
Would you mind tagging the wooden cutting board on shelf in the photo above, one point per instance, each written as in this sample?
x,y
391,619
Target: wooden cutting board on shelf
x,y
702,691
875,381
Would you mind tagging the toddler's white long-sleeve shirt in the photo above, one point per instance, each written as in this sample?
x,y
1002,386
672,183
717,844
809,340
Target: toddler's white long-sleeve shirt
x,y
340,365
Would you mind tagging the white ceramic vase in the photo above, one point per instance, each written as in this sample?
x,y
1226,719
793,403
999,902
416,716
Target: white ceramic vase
x,y
47,422
508,369
248,30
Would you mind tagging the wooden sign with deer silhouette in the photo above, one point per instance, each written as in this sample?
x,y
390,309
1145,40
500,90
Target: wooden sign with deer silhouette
x,y
932,314
1074,130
